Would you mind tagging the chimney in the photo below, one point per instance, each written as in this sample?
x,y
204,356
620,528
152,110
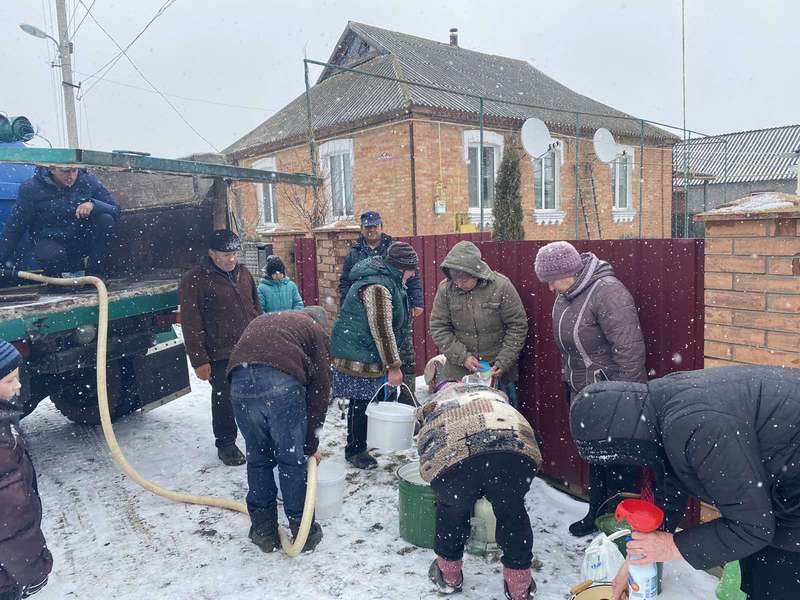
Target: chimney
x,y
454,36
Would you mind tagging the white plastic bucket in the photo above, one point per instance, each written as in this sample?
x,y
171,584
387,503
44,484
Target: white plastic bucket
x,y
330,489
390,426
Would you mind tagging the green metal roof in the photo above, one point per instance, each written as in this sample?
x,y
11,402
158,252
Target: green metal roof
x,y
123,161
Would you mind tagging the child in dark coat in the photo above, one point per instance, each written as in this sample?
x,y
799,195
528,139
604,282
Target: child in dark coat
x,y
25,561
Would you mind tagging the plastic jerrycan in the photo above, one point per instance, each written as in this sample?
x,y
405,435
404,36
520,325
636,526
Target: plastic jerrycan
x,y
646,518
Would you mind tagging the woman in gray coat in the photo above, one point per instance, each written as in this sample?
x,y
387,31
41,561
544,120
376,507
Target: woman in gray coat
x,y
596,328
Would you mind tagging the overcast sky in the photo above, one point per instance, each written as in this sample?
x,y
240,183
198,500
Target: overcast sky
x,y
742,59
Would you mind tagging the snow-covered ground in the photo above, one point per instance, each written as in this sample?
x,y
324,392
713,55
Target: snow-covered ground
x,y
110,539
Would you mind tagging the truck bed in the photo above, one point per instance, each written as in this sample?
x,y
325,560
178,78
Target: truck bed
x,y
58,309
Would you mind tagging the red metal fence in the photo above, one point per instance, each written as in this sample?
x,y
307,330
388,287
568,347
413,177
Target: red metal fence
x,y
305,260
665,277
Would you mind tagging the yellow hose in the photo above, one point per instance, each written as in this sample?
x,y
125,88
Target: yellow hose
x,y
291,549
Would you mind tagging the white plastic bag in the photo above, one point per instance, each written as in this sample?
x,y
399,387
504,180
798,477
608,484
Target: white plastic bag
x,y
602,559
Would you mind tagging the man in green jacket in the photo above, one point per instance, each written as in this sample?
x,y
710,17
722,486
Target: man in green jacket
x,y
366,339
477,315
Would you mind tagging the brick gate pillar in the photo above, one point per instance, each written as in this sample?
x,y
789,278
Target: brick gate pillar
x,y
752,282
333,244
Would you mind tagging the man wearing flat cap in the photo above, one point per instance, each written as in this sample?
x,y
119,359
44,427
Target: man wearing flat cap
x,y
374,242
365,345
218,300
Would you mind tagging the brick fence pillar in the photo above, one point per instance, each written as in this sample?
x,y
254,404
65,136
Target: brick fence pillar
x,y
333,244
752,282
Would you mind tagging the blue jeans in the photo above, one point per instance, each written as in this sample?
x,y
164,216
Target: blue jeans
x,y
270,410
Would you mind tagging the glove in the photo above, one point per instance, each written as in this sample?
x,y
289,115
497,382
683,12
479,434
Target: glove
x,y
30,590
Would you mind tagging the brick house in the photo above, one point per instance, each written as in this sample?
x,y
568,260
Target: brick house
x,y
412,153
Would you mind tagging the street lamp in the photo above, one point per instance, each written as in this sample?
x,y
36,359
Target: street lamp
x,y
64,52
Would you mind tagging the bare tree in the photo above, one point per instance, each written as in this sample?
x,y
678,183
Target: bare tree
x,y
300,199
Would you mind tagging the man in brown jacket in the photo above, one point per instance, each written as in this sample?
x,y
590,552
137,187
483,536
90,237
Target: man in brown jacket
x,y
280,392
218,300
25,561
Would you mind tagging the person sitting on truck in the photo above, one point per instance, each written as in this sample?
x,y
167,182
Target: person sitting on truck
x,y
280,392
277,292
70,217
473,443
25,561
218,300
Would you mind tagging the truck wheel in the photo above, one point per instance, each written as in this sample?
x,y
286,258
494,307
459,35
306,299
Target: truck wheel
x,y
76,395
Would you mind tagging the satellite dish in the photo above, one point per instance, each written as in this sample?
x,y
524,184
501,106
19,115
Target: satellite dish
x,y
536,137
605,147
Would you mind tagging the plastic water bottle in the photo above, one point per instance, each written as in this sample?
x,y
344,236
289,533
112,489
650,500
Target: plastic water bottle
x,y
642,581
645,517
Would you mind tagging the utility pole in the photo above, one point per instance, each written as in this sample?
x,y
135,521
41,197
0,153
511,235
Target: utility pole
x,y
65,54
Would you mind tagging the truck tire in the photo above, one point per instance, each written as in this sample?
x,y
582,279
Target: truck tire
x,y
76,395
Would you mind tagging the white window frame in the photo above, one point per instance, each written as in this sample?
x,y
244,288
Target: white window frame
x,y
549,216
266,221
623,214
491,139
326,152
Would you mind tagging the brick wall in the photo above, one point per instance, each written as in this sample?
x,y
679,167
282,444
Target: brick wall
x,y
382,181
752,289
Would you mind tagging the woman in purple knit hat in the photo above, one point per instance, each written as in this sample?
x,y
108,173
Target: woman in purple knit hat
x,y
596,327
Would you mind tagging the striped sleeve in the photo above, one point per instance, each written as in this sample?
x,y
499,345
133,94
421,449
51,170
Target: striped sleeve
x,y
378,304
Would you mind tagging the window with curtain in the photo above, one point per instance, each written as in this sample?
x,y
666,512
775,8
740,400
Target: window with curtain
x,y
341,175
620,181
488,176
267,194
545,173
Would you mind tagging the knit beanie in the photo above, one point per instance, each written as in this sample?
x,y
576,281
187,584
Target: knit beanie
x,y
10,359
402,257
224,240
274,265
557,260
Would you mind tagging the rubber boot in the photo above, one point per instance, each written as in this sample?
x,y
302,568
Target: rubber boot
x,y
518,584
314,534
363,460
444,587
231,456
264,529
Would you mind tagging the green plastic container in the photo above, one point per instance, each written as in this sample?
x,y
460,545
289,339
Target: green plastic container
x,y
608,524
729,587
417,507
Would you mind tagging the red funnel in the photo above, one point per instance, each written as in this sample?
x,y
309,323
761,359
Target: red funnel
x,y
641,515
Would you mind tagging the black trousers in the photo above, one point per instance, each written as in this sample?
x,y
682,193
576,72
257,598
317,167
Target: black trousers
x,y
93,244
12,593
222,419
771,574
409,368
503,478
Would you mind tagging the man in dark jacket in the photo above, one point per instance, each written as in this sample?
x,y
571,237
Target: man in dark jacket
x,y
70,217
728,436
280,391
25,561
373,242
218,300
366,338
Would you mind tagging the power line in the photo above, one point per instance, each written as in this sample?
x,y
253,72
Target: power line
x,y
88,10
149,91
150,83
116,58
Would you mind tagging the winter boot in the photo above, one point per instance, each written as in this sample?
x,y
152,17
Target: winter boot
x,y
264,529
583,527
363,460
443,586
518,584
314,534
231,456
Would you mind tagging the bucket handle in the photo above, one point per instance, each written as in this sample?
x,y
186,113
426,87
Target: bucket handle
x,y
617,495
385,384
619,534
